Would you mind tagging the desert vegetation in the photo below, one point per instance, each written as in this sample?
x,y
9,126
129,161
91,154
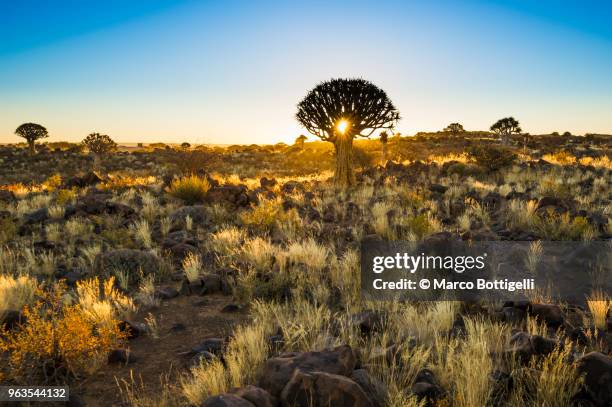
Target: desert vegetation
x,y
193,275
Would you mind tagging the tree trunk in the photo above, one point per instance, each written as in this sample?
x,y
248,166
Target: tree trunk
x,y
384,154
97,161
31,147
344,176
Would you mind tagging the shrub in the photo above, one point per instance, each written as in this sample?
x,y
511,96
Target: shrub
x,y
191,189
492,158
58,343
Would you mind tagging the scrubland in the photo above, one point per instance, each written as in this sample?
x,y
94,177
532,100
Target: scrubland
x,y
256,247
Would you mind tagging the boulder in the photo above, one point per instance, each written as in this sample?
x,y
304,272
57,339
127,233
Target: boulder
x,y
321,389
197,213
267,183
369,321
226,400
89,179
597,370
232,195
256,395
550,314
279,370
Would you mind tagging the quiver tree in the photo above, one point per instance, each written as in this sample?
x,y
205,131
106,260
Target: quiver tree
x,y
454,129
384,139
31,132
99,145
300,141
505,128
340,110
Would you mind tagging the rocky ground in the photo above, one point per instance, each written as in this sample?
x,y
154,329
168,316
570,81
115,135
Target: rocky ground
x,y
247,294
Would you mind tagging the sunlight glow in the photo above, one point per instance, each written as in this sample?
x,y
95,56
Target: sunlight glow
x,y
342,126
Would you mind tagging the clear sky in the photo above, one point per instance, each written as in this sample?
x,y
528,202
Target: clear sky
x,y
233,71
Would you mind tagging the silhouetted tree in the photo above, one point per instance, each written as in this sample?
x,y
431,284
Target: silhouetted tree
x,y
99,145
185,146
454,129
384,139
31,132
340,110
300,141
505,128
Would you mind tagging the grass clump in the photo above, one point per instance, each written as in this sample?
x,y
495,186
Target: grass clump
x,y
16,292
191,189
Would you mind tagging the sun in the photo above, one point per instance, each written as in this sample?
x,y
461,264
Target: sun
x,y
342,126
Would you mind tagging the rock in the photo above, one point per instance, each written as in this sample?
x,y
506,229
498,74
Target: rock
x,y
38,216
369,321
292,186
229,308
72,277
181,250
548,313
525,346
513,315
133,262
121,356
437,188
556,204
267,183
501,387
212,345
89,179
256,395
226,400
321,389
427,391
232,195
178,327
278,370
166,293
197,213
133,329
200,357
372,387
597,370
211,282
75,401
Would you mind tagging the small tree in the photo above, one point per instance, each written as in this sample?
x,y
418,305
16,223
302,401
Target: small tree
x,y
505,128
99,145
454,129
340,110
384,139
31,132
300,141
185,146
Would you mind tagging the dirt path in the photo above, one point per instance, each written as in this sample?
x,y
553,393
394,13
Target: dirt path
x,y
155,358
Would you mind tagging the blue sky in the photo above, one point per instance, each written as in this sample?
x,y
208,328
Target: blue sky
x,y
233,71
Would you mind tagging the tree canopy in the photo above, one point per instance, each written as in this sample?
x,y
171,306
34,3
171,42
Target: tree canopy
x,y
356,104
99,144
31,132
454,128
506,126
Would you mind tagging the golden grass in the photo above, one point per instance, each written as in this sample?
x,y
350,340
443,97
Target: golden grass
x,y
599,304
191,189
16,292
